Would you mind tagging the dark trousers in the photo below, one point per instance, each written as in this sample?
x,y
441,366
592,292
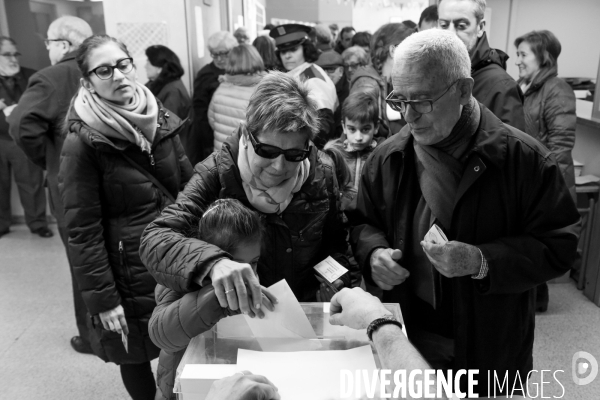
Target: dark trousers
x,y
30,182
80,309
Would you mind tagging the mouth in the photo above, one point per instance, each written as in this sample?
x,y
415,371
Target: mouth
x,y
123,87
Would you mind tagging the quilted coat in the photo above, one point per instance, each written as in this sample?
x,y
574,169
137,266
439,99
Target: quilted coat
x,y
310,229
550,118
108,203
228,105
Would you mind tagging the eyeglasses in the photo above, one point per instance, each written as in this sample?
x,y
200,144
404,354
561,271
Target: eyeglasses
x,y
222,54
270,152
124,65
48,41
420,106
10,55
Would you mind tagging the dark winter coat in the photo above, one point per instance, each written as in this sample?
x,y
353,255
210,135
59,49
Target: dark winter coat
x,y
550,118
513,204
108,203
36,123
309,230
11,97
199,141
494,87
174,97
177,319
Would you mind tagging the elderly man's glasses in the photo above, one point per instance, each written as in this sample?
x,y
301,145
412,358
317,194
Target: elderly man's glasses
x,y
420,106
124,65
270,152
222,54
11,55
48,41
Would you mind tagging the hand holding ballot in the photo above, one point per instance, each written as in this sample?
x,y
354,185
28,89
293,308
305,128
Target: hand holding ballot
x,y
243,386
236,285
355,308
453,259
385,270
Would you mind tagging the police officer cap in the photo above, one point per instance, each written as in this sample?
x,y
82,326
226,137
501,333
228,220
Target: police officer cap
x,y
289,35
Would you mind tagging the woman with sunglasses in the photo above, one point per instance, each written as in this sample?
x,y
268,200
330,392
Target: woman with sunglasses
x,y
121,163
270,165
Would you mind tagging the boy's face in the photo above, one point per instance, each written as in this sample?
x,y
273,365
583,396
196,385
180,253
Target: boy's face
x,y
359,134
247,253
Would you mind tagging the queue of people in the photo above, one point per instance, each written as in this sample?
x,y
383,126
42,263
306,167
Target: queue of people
x,y
299,147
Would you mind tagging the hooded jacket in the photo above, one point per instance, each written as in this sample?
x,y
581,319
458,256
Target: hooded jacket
x,y
228,105
494,87
513,204
108,203
550,118
310,229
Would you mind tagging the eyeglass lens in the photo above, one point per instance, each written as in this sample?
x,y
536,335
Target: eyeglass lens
x,y
106,71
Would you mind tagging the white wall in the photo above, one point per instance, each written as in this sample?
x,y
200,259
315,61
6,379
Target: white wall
x,y
575,24
369,18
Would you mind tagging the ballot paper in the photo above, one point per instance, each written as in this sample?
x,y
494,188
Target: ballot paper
x,y
330,269
436,235
314,375
286,328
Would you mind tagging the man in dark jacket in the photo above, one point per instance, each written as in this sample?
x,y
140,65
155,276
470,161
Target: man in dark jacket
x,y
198,143
36,124
493,86
28,176
468,302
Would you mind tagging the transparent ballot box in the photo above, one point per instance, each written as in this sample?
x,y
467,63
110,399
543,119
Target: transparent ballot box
x,y
220,345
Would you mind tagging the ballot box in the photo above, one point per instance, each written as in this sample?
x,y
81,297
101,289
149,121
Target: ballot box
x,y
214,354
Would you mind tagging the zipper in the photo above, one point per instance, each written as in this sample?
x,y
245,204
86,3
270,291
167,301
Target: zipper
x,y
121,253
317,219
151,160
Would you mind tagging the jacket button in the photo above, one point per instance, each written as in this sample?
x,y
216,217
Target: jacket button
x,y
401,242
476,168
288,250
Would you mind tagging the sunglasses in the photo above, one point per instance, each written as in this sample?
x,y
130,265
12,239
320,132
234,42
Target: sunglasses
x,y
271,152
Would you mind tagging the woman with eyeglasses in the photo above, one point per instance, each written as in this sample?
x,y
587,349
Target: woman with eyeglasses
x,y
199,143
121,164
298,55
271,165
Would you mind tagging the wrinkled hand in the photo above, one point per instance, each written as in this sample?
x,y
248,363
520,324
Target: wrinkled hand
x,y
243,386
114,320
324,294
385,270
453,259
268,302
355,308
236,285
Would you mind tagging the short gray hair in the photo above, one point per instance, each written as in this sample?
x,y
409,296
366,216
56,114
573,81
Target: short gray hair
x,y
357,51
71,28
436,47
282,103
222,38
480,6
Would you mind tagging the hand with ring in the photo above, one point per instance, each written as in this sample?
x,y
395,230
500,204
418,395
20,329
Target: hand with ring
x,y
236,286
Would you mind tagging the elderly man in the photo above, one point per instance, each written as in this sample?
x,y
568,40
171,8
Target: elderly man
x,y
36,125
198,143
496,194
28,176
493,86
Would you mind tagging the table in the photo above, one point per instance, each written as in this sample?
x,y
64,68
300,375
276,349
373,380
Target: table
x,y
220,345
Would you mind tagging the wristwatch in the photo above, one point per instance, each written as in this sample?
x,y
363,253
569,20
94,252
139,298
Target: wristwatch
x,y
377,323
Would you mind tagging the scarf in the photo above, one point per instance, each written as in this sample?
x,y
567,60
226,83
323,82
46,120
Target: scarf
x,y
269,200
439,171
135,122
9,72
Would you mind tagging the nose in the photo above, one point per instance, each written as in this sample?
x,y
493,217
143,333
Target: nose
x,y
410,115
278,163
451,28
117,74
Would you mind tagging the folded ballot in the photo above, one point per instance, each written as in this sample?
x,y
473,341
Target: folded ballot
x,y
436,235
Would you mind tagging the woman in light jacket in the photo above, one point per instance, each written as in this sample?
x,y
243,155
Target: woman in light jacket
x,y
227,109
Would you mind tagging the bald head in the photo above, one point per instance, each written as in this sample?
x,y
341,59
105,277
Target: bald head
x,y
65,35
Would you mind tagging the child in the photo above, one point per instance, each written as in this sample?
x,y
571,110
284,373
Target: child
x,y
360,122
179,317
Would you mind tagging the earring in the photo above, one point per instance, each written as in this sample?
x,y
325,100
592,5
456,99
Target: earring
x,y
91,90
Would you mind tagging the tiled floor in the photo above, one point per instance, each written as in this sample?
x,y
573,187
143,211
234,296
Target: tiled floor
x,y
36,323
